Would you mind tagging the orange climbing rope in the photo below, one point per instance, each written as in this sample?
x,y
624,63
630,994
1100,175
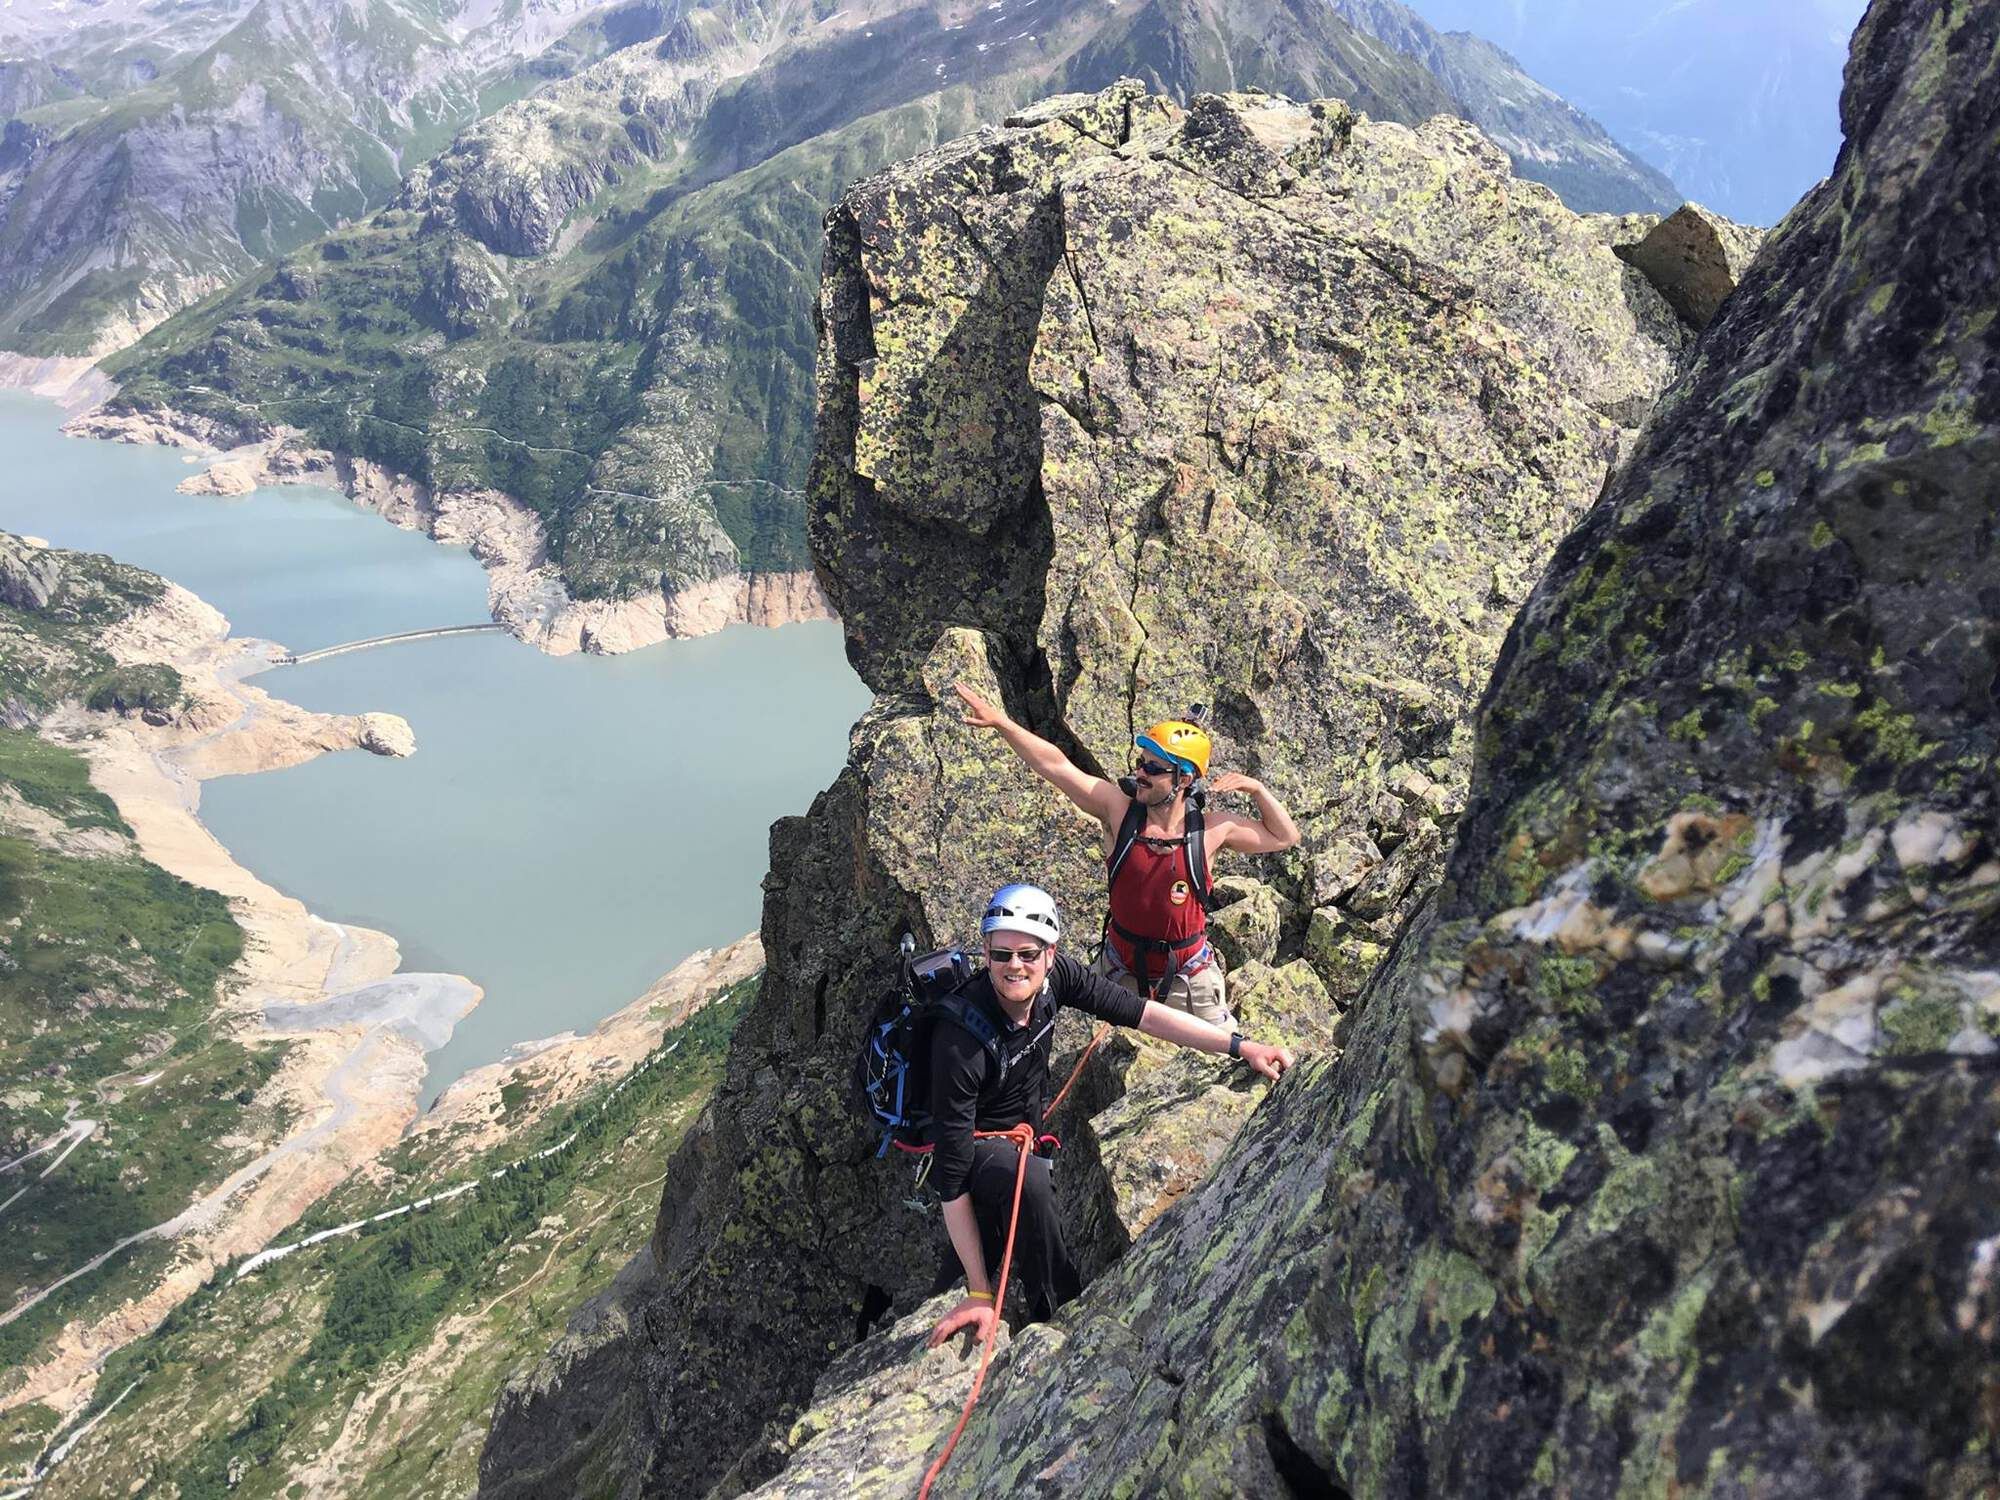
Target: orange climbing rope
x,y
1077,1071
1023,1137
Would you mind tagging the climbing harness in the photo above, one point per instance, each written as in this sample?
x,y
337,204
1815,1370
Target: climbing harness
x,y
1023,1137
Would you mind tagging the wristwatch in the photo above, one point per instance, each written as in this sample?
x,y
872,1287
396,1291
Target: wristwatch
x,y
1236,1044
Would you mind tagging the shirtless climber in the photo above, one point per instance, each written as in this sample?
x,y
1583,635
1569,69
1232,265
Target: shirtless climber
x,y
992,1072
1159,852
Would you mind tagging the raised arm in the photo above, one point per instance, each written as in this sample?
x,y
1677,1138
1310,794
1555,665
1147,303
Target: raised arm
x,y
1096,796
1275,831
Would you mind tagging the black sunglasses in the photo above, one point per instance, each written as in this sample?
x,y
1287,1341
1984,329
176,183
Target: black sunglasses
x,y
1147,767
1008,955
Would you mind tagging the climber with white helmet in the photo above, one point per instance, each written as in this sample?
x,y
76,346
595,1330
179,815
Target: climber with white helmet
x,y
1159,850
989,1071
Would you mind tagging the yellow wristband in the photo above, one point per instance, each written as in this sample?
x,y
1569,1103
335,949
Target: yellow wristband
x,y
980,1296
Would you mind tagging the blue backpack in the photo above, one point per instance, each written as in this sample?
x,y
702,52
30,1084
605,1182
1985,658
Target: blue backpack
x,y
892,1074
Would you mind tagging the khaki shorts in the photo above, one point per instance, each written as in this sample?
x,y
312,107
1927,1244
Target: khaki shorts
x,y
1201,995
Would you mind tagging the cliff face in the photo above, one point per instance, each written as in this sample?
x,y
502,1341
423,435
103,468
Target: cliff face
x,y
1660,1160
1120,407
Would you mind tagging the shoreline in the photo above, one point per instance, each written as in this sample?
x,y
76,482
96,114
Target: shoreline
x,y
525,594
358,1029
73,382
558,1068
351,1081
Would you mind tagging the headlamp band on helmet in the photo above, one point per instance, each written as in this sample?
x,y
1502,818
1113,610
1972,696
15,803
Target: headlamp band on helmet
x,y
1161,753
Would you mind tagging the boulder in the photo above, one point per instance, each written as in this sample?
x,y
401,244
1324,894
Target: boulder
x,y
387,734
1245,926
1341,865
1694,258
1342,952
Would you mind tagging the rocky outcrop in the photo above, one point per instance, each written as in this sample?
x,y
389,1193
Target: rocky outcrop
x,y
1659,1161
30,574
1120,407
1695,258
387,734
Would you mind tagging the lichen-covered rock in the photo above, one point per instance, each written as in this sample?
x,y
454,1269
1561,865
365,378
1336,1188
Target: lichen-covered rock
x,y
1695,258
1661,1157
1247,922
1343,952
1123,407
880,1413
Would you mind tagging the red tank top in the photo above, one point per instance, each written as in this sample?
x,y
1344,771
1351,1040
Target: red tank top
x,y
1154,898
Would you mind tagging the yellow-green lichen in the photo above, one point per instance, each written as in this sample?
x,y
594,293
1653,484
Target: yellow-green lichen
x,y
1896,737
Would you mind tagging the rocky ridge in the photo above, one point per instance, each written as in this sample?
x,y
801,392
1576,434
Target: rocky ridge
x,y
1659,1157
1120,406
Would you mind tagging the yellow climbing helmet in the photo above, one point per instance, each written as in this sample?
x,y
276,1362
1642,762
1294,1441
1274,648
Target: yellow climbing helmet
x,y
1177,743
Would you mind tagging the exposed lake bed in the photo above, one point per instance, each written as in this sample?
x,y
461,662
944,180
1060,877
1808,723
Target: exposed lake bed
x,y
567,831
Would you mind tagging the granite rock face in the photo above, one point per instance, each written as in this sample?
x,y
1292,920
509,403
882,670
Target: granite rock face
x,y
29,576
1660,1159
1124,406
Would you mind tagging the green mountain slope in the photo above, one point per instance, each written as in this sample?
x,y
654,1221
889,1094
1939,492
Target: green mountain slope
x,y
1549,139
599,300
148,165
366,1364
108,969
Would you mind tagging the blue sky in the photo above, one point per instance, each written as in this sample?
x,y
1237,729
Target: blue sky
x,y
1736,100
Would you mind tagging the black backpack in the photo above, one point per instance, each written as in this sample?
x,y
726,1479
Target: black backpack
x,y
892,1082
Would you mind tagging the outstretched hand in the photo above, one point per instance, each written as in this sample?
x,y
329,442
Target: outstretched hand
x,y
1268,1060
970,1315
978,712
1234,781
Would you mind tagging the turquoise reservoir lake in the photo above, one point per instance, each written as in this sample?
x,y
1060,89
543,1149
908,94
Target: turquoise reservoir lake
x,y
568,830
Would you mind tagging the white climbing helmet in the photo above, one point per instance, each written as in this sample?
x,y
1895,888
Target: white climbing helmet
x,y
1022,908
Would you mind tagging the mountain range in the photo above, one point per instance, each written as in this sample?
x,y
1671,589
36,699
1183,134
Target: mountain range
x,y
1735,100
597,300
153,154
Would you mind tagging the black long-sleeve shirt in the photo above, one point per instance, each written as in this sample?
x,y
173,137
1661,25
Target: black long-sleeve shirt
x,y
963,1099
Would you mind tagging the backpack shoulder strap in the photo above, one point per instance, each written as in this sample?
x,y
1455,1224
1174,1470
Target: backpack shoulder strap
x,y
1197,856
1128,835
975,1023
